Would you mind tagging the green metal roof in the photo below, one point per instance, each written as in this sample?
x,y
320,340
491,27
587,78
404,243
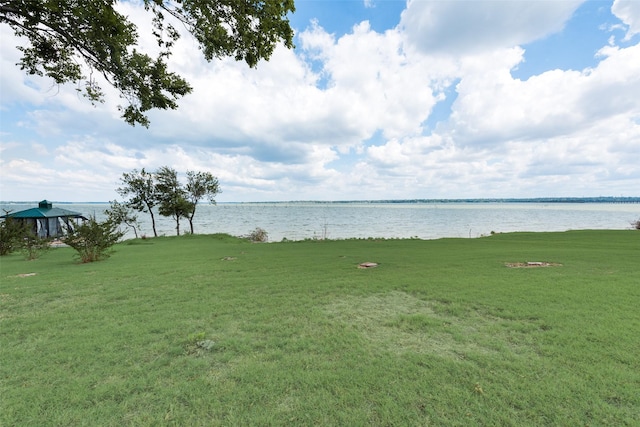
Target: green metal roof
x,y
44,210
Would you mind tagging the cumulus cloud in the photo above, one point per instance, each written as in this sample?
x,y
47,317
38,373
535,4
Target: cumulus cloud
x,y
344,115
629,12
369,85
459,27
559,129
372,82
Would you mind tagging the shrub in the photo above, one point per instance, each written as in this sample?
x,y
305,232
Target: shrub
x,y
258,235
93,240
15,235
636,224
33,247
11,234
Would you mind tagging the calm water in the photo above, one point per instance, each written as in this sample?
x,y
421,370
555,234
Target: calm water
x,y
297,221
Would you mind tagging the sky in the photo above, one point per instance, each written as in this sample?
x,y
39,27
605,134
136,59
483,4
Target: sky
x,y
380,99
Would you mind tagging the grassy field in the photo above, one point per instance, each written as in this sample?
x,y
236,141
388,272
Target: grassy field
x,y
213,330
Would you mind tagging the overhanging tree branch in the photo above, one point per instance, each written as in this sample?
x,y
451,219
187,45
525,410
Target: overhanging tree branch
x,y
62,35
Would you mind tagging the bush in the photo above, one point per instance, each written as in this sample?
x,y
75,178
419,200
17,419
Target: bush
x,y
258,235
33,247
93,240
11,234
636,224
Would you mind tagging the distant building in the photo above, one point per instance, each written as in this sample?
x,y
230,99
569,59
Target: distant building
x,y
45,220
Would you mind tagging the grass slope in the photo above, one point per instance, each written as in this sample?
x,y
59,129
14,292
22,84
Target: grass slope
x,y
212,330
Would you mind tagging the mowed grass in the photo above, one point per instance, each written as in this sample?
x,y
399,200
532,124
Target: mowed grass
x,y
213,330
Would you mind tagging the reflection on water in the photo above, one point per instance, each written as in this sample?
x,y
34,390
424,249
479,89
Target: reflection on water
x,y
297,221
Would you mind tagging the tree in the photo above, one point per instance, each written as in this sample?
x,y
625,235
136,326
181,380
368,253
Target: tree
x,y
73,40
119,213
92,240
12,233
172,196
140,186
199,185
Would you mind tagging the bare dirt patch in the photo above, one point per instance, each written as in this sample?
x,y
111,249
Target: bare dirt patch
x,y
532,264
368,265
25,275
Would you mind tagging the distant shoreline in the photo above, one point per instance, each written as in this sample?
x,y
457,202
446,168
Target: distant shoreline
x,y
407,201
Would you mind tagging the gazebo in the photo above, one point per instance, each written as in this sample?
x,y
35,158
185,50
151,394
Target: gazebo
x,y
45,220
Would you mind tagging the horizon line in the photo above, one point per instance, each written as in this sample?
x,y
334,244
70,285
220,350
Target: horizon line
x,y
571,199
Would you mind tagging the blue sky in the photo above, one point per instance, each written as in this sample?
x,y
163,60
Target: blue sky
x,y
380,99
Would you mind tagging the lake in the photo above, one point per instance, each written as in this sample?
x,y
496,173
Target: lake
x,y
317,220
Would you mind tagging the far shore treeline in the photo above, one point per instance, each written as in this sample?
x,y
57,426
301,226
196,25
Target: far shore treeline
x,y
602,199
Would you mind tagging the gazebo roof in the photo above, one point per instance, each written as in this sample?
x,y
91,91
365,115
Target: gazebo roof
x,y
44,210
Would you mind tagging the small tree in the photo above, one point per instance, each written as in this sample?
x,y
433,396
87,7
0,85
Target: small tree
x,y
11,234
199,185
119,213
140,187
636,224
172,196
93,240
33,246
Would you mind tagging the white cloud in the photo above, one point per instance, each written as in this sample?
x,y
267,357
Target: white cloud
x,y
629,12
373,83
458,27
17,87
301,126
584,162
493,107
567,130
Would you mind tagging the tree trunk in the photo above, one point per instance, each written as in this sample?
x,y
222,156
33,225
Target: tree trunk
x,y
190,217
134,229
153,223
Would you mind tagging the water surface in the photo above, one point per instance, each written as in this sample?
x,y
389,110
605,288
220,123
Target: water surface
x,y
300,220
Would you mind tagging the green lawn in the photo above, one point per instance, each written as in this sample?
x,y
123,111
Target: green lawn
x,y
213,330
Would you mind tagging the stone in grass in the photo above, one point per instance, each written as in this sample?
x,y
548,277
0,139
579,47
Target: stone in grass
x,y
368,265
